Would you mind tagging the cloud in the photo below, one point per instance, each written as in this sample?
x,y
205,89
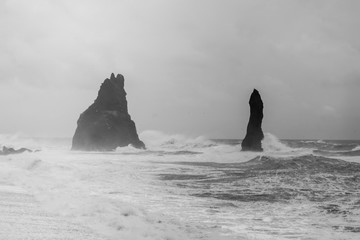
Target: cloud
x,y
180,59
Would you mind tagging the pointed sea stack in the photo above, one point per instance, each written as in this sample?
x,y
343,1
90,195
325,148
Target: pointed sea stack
x,y
254,133
106,124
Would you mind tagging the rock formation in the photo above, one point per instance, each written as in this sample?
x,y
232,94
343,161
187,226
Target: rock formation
x,y
8,151
254,133
106,124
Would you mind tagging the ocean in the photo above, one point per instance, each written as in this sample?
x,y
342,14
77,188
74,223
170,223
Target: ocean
x,y
195,188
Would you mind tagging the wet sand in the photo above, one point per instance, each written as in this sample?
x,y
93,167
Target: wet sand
x,y
22,218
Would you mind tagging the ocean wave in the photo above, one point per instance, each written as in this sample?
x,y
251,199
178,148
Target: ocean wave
x,y
159,140
357,148
355,151
175,150
129,150
352,153
81,188
20,140
159,192
271,143
160,143
328,145
308,163
17,140
320,141
272,179
273,146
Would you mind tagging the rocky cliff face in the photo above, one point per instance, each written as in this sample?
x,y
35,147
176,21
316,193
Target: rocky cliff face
x,y
254,133
106,124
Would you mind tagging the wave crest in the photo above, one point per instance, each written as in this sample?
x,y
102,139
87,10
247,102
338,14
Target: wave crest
x,y
17,140
159,140
357,148
271,143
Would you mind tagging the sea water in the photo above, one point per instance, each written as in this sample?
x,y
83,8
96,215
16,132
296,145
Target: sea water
x,y
195,188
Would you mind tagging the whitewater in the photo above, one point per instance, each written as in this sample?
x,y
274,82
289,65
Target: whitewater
x,y
190,188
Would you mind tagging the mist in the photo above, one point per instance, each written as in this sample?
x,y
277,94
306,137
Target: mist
x,y
189,67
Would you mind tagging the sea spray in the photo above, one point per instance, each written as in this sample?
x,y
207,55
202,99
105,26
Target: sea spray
x,y
357,148
157,140
17,140
20,140
274,146
271,143
166,193
100,191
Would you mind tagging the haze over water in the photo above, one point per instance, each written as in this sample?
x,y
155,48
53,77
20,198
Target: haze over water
x,y
189,68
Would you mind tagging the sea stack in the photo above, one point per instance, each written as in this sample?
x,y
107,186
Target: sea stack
x,y
106,124
254,133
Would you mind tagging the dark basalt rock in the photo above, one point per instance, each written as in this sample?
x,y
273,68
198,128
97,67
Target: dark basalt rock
x,y
106,124
254,133
8,151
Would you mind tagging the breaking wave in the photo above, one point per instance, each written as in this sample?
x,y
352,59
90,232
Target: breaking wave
x,y
103,192
195,188
271,143
157,140
357,148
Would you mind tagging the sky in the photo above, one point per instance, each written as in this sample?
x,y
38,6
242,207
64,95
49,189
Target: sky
x,y
189,65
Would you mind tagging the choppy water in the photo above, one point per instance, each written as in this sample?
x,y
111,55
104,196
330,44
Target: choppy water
x,y
194,188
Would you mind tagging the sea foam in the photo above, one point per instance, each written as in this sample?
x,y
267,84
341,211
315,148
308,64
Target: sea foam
x,y
105,192
191,188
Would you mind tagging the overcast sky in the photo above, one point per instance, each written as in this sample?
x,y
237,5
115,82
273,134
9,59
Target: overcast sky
x,y
189,65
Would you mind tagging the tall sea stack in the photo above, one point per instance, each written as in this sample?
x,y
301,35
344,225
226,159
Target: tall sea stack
x,y
106,124
254,133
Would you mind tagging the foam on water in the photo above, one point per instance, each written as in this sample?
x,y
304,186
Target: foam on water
x,y
16,140
156,140
272,144
95,190
357,148
193,188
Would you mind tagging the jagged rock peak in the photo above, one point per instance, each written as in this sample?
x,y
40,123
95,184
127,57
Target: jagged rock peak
x,y
254,133
106,124
119,79
112,92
